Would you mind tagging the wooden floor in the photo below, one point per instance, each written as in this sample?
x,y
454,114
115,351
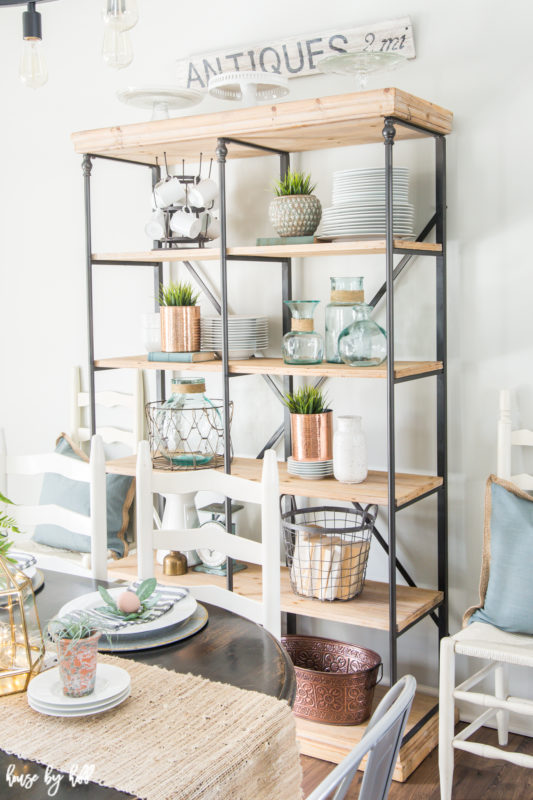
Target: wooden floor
x,y
474,778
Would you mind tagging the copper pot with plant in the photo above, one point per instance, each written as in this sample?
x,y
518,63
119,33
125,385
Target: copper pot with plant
x,y
180,318
311,425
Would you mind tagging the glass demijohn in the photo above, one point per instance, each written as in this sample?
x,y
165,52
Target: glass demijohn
x,y
21,641
302,345
363,343
340,312
187,429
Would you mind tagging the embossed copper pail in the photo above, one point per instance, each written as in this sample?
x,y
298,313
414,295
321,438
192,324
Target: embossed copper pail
x,y
335,680
312,436
180,329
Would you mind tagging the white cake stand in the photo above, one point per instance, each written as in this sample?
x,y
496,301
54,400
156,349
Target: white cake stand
x,y
160,99
249,86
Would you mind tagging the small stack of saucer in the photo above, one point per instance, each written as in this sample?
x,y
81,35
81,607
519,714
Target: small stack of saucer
x,y
45,693
310,470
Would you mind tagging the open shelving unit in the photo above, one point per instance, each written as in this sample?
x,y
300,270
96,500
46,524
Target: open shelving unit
x,y
382,116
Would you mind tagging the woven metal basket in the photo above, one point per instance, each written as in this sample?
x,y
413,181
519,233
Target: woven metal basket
x,y
327,550
335,680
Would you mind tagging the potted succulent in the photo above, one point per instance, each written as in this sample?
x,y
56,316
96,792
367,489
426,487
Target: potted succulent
x,y
76,639
180,318
295,211
311,425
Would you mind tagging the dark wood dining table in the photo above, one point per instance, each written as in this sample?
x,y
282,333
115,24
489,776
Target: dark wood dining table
x,y
230,649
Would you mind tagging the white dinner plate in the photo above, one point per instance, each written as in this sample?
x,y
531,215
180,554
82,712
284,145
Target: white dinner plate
x,y
47,688
180,611
87,712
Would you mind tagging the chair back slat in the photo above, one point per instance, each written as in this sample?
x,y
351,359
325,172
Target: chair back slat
x,y
39,464
209,480
29,516
212,535
507,438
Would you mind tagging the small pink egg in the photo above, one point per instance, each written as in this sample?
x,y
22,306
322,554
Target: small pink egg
x,y
128,602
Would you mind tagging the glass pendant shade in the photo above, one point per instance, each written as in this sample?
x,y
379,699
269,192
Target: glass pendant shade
x,y
345,292
21,642
302,345
117,50
121,14
33,70
187,429
364,342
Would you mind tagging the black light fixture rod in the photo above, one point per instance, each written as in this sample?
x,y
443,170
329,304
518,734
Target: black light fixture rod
x,y
31,23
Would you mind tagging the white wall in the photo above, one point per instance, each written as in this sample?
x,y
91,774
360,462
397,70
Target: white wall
x,y
473,58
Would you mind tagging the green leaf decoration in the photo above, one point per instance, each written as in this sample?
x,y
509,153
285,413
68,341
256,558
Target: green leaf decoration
x,y
178,294
307,400
106,597
4,499
294,183
146,588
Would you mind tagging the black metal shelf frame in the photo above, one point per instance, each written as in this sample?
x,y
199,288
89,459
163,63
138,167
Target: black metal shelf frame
x,y
439,612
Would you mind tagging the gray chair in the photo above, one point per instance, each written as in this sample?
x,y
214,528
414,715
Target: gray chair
x,y
381,741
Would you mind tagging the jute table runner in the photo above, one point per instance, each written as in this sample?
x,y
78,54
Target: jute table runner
x,y
177,737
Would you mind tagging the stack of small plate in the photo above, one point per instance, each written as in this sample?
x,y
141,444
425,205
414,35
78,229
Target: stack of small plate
x,y
358,210
310,470
247,335
45,693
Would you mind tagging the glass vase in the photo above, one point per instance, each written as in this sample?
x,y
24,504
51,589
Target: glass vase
x,y
364,342
302,345
349,451
345,292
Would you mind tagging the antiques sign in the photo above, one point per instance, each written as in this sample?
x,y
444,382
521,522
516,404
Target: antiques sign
x,y
298,56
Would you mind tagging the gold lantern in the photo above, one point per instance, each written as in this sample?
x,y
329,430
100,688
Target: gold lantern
x,y
21,640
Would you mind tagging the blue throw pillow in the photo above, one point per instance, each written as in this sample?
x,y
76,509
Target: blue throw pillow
x,y
74,496
506,586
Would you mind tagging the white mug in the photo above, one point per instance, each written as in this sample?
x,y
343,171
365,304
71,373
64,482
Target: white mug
x,y
203,193
213,228
155,227
185,223
169,192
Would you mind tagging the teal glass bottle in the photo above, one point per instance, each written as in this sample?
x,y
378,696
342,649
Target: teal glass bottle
x,y
364,342
302,345
345,292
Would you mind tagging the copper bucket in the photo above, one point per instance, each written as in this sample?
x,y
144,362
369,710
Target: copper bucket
x,y
335,680
312,436
180,329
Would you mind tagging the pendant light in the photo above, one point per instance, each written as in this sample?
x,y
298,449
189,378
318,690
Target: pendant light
x,y
33,69
119,17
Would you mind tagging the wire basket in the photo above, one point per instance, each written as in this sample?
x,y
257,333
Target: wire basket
x,y
187,438
327,550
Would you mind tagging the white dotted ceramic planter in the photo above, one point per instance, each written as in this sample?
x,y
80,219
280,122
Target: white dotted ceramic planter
x,y
295,214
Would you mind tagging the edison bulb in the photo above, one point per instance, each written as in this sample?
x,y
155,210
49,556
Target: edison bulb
x,y
33,69
117,50
121,14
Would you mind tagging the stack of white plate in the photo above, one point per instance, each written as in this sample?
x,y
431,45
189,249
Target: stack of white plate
x,y
310,470
358,210
45,693
247,335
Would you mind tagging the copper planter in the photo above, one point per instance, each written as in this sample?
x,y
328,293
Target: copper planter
x,y
312,436
180,329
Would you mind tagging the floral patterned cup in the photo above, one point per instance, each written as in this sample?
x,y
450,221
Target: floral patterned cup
x,y
77,664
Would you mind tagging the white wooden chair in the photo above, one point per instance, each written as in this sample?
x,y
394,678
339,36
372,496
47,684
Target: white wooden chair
x,y
481,640
266,552
381,742
79,401
94,525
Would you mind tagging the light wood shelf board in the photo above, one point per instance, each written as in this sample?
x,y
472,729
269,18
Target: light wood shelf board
x,y
369,610
294,126
363,247
372,490
275,366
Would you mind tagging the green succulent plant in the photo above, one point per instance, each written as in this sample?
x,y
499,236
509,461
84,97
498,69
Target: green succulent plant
x,y
294,183
8,525
178,294
307,400
72,627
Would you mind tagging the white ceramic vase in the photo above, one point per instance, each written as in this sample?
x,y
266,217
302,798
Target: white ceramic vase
x,y
350,463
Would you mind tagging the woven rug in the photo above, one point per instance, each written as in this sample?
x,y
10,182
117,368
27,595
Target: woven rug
x,y
177,737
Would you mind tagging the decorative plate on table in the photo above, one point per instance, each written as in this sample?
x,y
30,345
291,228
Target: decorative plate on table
x,y
158,638
112,687
181,611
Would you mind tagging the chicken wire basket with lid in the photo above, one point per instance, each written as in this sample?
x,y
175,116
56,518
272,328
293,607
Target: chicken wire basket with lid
x,y
327,550
186,431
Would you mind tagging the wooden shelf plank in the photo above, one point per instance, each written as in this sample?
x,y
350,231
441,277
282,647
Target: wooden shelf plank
x,y
372,490
276,366
364,247
369,610
294,126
